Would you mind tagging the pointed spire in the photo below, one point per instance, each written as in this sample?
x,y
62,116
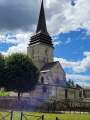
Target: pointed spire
x,y
41,27
41,35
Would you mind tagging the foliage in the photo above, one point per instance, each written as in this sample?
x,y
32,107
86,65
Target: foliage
x,y
3,93
2,69
70,83
21,73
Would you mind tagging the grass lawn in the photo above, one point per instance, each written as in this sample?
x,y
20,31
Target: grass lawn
x,y
48,116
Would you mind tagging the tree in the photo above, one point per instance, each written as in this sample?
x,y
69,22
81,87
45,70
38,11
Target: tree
x,y
2,70
22,73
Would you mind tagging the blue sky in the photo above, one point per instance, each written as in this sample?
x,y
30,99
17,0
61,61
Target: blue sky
x,y
68,24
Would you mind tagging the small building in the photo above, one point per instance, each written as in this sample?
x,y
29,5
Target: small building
x,y
86,92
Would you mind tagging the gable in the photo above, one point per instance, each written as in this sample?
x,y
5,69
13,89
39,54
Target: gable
x,y
57,68
53,74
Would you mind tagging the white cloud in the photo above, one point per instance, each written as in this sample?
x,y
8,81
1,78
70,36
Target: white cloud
x,y
16,38
78,66
79,79
22,48
68,40
55,38
67,64
57,43
84,65
19,48
21,39
66,18
81,83
61,16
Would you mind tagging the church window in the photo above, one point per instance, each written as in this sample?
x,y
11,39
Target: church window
x,y
57,81
46,52
80,94
44,89
66,93
32,54
42,80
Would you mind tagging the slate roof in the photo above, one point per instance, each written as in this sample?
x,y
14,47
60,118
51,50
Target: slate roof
x,y
41,27
48,66
78,86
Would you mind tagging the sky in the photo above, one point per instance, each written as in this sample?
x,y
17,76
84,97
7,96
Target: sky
x,y
68,23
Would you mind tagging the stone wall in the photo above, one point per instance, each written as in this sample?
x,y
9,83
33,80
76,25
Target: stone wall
x,y
41,54
52,92
44,91
54,76
25,103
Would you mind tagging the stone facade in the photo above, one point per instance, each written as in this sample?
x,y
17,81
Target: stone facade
x,y
40,53
74,93
86,92
46,91
53,74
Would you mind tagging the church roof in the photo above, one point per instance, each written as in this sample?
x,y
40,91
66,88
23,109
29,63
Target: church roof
x,y
41,35
41,27
78,86
48,66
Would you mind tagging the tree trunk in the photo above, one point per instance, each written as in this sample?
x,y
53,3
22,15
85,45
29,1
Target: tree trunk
x,y
18,95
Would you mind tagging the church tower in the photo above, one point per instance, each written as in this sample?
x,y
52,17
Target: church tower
x,y
40,48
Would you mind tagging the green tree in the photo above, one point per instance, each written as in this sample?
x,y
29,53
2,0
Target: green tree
x,y
2,70
22,73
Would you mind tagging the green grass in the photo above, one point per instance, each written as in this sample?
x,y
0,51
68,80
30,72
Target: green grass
x,y
49,116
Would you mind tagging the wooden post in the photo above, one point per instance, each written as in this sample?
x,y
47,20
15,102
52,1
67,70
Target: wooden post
x,y
42,117
21,115
11,114
56,118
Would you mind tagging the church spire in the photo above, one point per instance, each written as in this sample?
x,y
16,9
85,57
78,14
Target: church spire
x,y
41,27
41,35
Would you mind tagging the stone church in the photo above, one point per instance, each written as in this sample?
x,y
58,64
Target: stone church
x,y
52,79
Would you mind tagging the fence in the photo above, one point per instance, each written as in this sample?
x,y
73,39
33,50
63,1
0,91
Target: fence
x,y
8,114
37,117
57,118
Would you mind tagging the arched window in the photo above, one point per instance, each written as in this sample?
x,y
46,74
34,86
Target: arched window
x,y
42,80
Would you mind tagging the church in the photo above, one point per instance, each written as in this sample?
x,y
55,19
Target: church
x,y
52,80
